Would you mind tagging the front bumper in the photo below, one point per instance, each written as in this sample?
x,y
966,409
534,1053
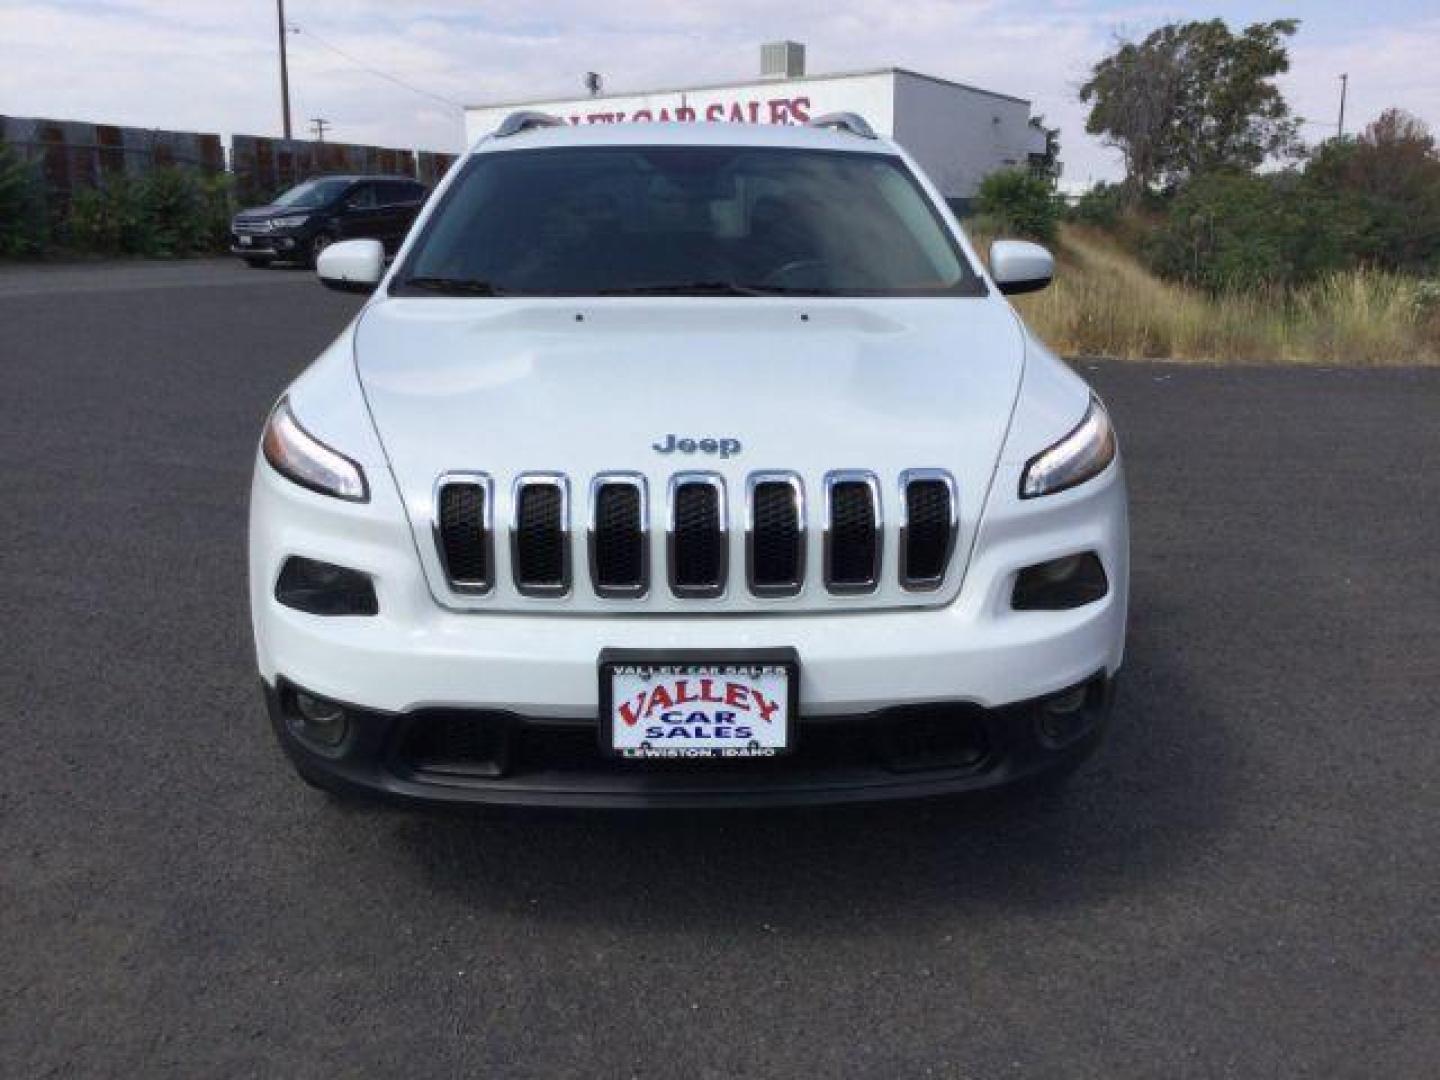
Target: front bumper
x,y
271,245
968,662
472,757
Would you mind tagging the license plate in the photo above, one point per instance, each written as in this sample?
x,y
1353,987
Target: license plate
x,y
698,705
244,241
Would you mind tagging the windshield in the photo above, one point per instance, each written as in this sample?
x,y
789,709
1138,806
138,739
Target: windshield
x,y
312,193
686,221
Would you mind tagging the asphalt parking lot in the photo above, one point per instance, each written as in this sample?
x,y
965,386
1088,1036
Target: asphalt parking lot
x,y
1245,882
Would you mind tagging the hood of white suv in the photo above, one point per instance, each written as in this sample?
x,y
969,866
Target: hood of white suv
x,y
731,386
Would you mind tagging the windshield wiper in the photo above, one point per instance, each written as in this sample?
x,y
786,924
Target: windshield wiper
x,y
454,286
696,288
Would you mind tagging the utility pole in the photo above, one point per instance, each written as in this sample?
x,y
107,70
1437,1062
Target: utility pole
x,y
318,124
284,68
1340,127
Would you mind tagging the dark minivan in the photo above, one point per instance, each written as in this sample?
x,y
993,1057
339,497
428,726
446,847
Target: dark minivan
x,y
305,220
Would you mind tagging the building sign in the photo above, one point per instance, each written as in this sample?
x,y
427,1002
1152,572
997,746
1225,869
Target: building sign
x,y
775,110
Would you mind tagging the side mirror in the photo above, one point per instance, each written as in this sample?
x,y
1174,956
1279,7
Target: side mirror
x,y
354,266
1019,266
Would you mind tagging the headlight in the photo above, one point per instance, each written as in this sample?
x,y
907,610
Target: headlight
x,y
297,455
289,222
1074,459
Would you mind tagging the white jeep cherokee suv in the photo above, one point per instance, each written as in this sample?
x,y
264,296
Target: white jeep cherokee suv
x,y
686,465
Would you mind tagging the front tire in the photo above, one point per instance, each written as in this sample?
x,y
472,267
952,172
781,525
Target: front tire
x,y
318,244
256,264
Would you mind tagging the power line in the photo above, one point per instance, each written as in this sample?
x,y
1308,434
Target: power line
x,y
295,29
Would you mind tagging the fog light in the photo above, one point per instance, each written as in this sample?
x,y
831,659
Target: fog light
x,y
319,721
1063,717
1060,584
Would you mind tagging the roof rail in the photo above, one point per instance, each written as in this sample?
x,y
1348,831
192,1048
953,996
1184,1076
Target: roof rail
x,y
850,122
525,120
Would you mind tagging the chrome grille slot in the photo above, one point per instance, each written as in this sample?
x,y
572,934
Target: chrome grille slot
x,y
540,535
698,537
619,536
775,535
852,532
927,529
463,531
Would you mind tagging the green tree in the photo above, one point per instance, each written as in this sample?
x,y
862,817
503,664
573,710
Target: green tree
x,y
1385,187
1019,203
1193,98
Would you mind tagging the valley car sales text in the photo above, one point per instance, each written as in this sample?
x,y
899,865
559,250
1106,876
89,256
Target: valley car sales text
x,y
790,110
678,708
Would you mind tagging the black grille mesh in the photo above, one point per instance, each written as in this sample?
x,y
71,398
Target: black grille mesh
x,y
775,551
540,537
619,541
927,530
699,551
853,538
462,534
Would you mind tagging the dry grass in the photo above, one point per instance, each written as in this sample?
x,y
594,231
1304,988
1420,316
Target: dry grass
x,y
1105,303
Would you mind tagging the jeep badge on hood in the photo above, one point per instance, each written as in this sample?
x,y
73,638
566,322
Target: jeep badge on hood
x,y
726,448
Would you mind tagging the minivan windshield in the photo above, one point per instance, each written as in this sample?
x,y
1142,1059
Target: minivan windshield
x,y
692,220
313,193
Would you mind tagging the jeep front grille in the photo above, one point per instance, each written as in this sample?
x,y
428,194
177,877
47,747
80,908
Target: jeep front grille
x,y
849,514
697,534
463,530
619,544
853,541
928,528
540,535
775,536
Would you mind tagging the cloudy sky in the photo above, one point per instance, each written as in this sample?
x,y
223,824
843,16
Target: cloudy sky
x,y
210,65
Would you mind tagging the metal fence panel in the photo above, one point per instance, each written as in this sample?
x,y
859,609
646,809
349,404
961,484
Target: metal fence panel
x,y
74,155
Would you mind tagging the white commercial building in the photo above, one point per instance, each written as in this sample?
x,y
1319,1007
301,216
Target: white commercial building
x,y
959,134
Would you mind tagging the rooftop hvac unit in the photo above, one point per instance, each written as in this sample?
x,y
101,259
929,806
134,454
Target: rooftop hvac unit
x,y
782,59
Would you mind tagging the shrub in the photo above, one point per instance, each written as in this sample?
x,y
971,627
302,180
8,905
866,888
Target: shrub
x,y
1099,207
172,212
217,207
106,221
24,227
1236,231
1019,203
167,213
